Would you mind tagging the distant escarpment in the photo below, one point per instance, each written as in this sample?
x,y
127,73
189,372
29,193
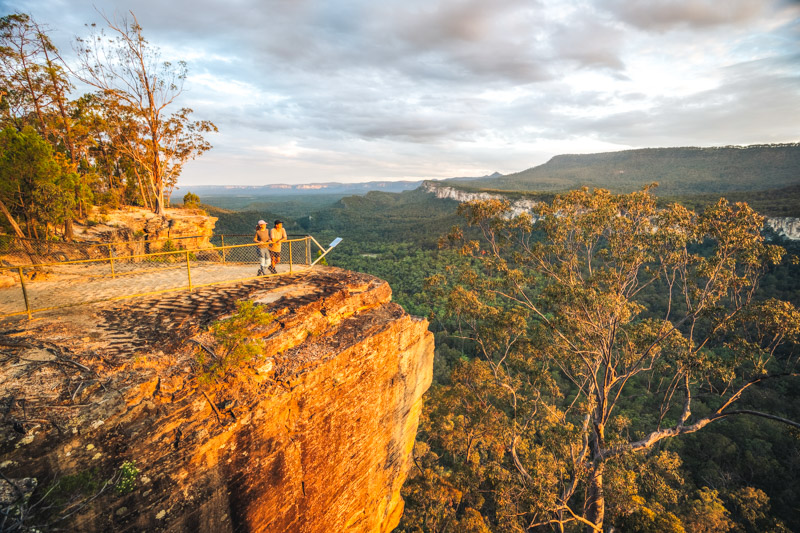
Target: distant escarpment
x,y
678,171
788,227
517,207
107,427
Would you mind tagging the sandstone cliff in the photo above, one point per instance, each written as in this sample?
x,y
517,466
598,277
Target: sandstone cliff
x,y
517,207
789,227
146,232
106,428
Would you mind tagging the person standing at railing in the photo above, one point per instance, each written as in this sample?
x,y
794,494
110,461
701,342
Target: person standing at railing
x,y
263,238
277,236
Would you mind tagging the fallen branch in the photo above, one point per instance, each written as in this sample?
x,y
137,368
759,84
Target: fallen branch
x,y
214,407
204,347
763,415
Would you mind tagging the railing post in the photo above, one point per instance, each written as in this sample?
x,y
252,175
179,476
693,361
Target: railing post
x,y
111,258
24,293
189,271
290,257
223,248
308,250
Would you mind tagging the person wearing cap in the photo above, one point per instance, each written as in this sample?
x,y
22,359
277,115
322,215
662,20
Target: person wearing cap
x,y
262,237
277,236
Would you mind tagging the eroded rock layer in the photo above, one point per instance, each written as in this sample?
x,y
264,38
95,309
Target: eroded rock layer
x,y
105,424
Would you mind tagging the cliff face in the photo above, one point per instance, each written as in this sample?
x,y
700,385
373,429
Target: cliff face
x,y
192,227
517,207
789,227
315,435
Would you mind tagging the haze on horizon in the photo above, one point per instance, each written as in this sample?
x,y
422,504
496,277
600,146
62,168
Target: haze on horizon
x,y
312,91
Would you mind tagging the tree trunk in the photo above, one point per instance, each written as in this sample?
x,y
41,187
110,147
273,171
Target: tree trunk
x,y
69,230
159,200
145,196
11,220
595,500
28,248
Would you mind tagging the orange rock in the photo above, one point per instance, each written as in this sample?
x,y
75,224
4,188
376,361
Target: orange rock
x,y
315,436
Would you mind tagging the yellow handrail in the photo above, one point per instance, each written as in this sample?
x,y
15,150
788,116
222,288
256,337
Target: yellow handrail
x,y
153,254
188,254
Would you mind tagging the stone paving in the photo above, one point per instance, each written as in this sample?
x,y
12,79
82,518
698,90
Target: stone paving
x,y
81,284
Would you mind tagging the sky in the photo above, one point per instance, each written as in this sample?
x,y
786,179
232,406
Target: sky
x,y
307,91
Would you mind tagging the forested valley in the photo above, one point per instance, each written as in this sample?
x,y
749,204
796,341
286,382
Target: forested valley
x,y
505,421
618,362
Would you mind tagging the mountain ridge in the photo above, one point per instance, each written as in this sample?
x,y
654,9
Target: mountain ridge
x,y
683,170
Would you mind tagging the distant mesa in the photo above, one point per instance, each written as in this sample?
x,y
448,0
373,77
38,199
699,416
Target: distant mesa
x,y
284,189
678,171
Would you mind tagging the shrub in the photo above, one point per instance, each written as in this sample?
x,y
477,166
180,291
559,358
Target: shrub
x,y
233,342
190,199
127,479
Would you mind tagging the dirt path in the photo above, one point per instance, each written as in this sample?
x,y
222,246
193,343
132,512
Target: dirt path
x,y
82,284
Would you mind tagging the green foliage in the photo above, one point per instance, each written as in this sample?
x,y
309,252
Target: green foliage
x,y
191,200
116,147
135,101
779,202
395,237
577,377
67,489
707,513
128,473
392,236
34,186
234,342
169,246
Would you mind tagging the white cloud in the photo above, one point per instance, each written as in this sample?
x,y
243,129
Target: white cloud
x,y
316,90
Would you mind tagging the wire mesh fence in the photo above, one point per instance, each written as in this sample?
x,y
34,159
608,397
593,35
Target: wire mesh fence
x,y
31,288
240,249
16,251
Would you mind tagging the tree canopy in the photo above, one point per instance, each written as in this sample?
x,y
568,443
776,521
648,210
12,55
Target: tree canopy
x,y
604,326
121,145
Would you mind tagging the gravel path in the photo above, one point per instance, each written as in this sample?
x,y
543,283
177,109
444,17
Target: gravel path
x,y
81,284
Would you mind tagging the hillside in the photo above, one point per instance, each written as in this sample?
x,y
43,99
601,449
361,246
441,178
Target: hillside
x,y
679,171
254,197
377,216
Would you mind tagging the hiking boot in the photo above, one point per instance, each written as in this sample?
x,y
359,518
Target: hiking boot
x,y
261,272
272,269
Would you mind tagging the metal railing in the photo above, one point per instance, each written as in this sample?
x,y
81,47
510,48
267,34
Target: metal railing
x,y
20,251
47,286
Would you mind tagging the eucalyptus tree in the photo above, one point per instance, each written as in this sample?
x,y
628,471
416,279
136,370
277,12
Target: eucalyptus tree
x,y
598,325
138,88
36,92
24,78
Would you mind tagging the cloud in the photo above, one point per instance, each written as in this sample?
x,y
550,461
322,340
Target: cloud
x,y
755,103
308,90
589,43
662,15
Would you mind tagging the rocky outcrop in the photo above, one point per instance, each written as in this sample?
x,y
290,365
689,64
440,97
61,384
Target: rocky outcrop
x,y
146,232
104,415
122,232
516,208
789,227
